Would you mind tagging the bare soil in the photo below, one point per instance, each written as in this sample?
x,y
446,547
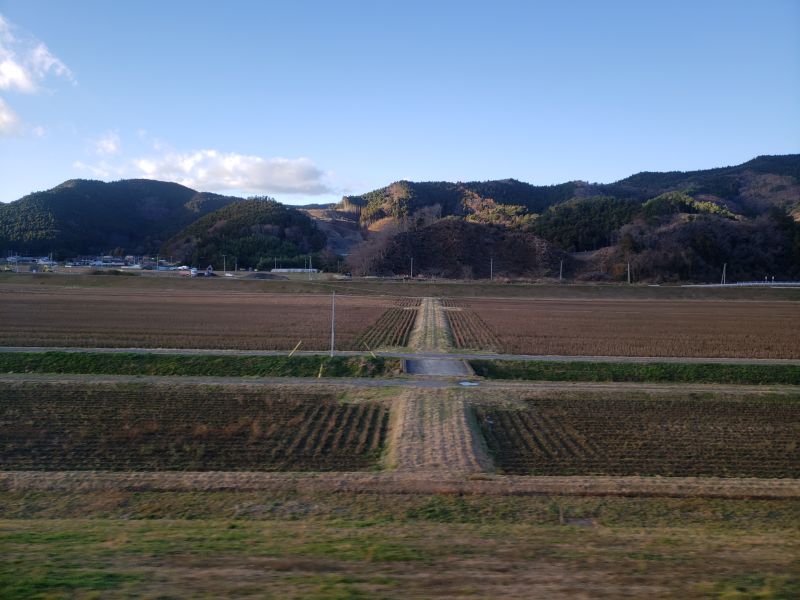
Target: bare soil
x,y
674,328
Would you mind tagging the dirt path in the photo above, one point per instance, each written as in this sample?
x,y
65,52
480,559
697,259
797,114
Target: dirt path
x,y
431,330
435,432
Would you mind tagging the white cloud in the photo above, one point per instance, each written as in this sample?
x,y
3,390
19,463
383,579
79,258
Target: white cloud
x,y
217,171
25,64
14,77
9,121
214,171
106,144
101,170
39,131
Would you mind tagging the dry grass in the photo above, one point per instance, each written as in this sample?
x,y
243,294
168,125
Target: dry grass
x,y
398,482
434,432
685,328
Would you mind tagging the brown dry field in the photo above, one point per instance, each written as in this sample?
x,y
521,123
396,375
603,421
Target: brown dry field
x,y
181,319
686,328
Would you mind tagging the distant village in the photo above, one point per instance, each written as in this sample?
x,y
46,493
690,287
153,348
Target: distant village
x,y
45,264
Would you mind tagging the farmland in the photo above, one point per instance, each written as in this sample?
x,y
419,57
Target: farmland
x,y
685,328
666,436
136,427
126,473
108,318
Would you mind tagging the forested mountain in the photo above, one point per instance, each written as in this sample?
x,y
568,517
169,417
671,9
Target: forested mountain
x,y
252,232
673,226
404,198
455,248
92,217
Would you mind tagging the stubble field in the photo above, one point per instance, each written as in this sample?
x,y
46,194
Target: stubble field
x,y
183,319
132,427
684,328
671,436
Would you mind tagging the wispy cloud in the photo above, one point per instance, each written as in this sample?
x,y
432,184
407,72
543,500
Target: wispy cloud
x,y
25,64
211,170
107,144
9,121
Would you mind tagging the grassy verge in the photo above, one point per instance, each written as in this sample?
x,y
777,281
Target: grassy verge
x,y
99,363
393,546
638,372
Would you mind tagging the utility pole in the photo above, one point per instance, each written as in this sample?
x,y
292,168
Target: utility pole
x,y
224,264
491,269
412,267
629,272
309,267
333,322
724,269
561,270
158,260
235,263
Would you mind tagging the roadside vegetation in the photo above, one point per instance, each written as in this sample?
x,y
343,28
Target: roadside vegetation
x,y
639,372
126,363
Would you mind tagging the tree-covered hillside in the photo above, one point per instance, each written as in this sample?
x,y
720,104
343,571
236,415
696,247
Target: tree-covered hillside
x,y
402,199
455,248
93,217
672,226
253,232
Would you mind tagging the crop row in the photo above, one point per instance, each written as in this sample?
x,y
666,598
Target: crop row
x,y
391,330
757,438
470,331
408,302
184,428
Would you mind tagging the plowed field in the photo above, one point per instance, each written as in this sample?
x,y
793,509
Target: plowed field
x,y
667,436
182,319
148,427
687,328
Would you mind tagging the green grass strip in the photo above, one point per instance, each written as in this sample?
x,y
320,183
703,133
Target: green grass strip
x,y
102,363
638,372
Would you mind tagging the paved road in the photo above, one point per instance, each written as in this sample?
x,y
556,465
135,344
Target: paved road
x,y
447,367
419,355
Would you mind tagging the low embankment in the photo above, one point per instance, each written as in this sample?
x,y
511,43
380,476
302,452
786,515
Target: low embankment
x,y
655,372
100,363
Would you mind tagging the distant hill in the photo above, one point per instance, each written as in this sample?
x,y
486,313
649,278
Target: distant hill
x,y
750,188
672,226
402,199
454,248
683,222
252,232
92,217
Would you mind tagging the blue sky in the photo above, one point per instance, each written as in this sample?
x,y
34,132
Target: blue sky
x,y
306,101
